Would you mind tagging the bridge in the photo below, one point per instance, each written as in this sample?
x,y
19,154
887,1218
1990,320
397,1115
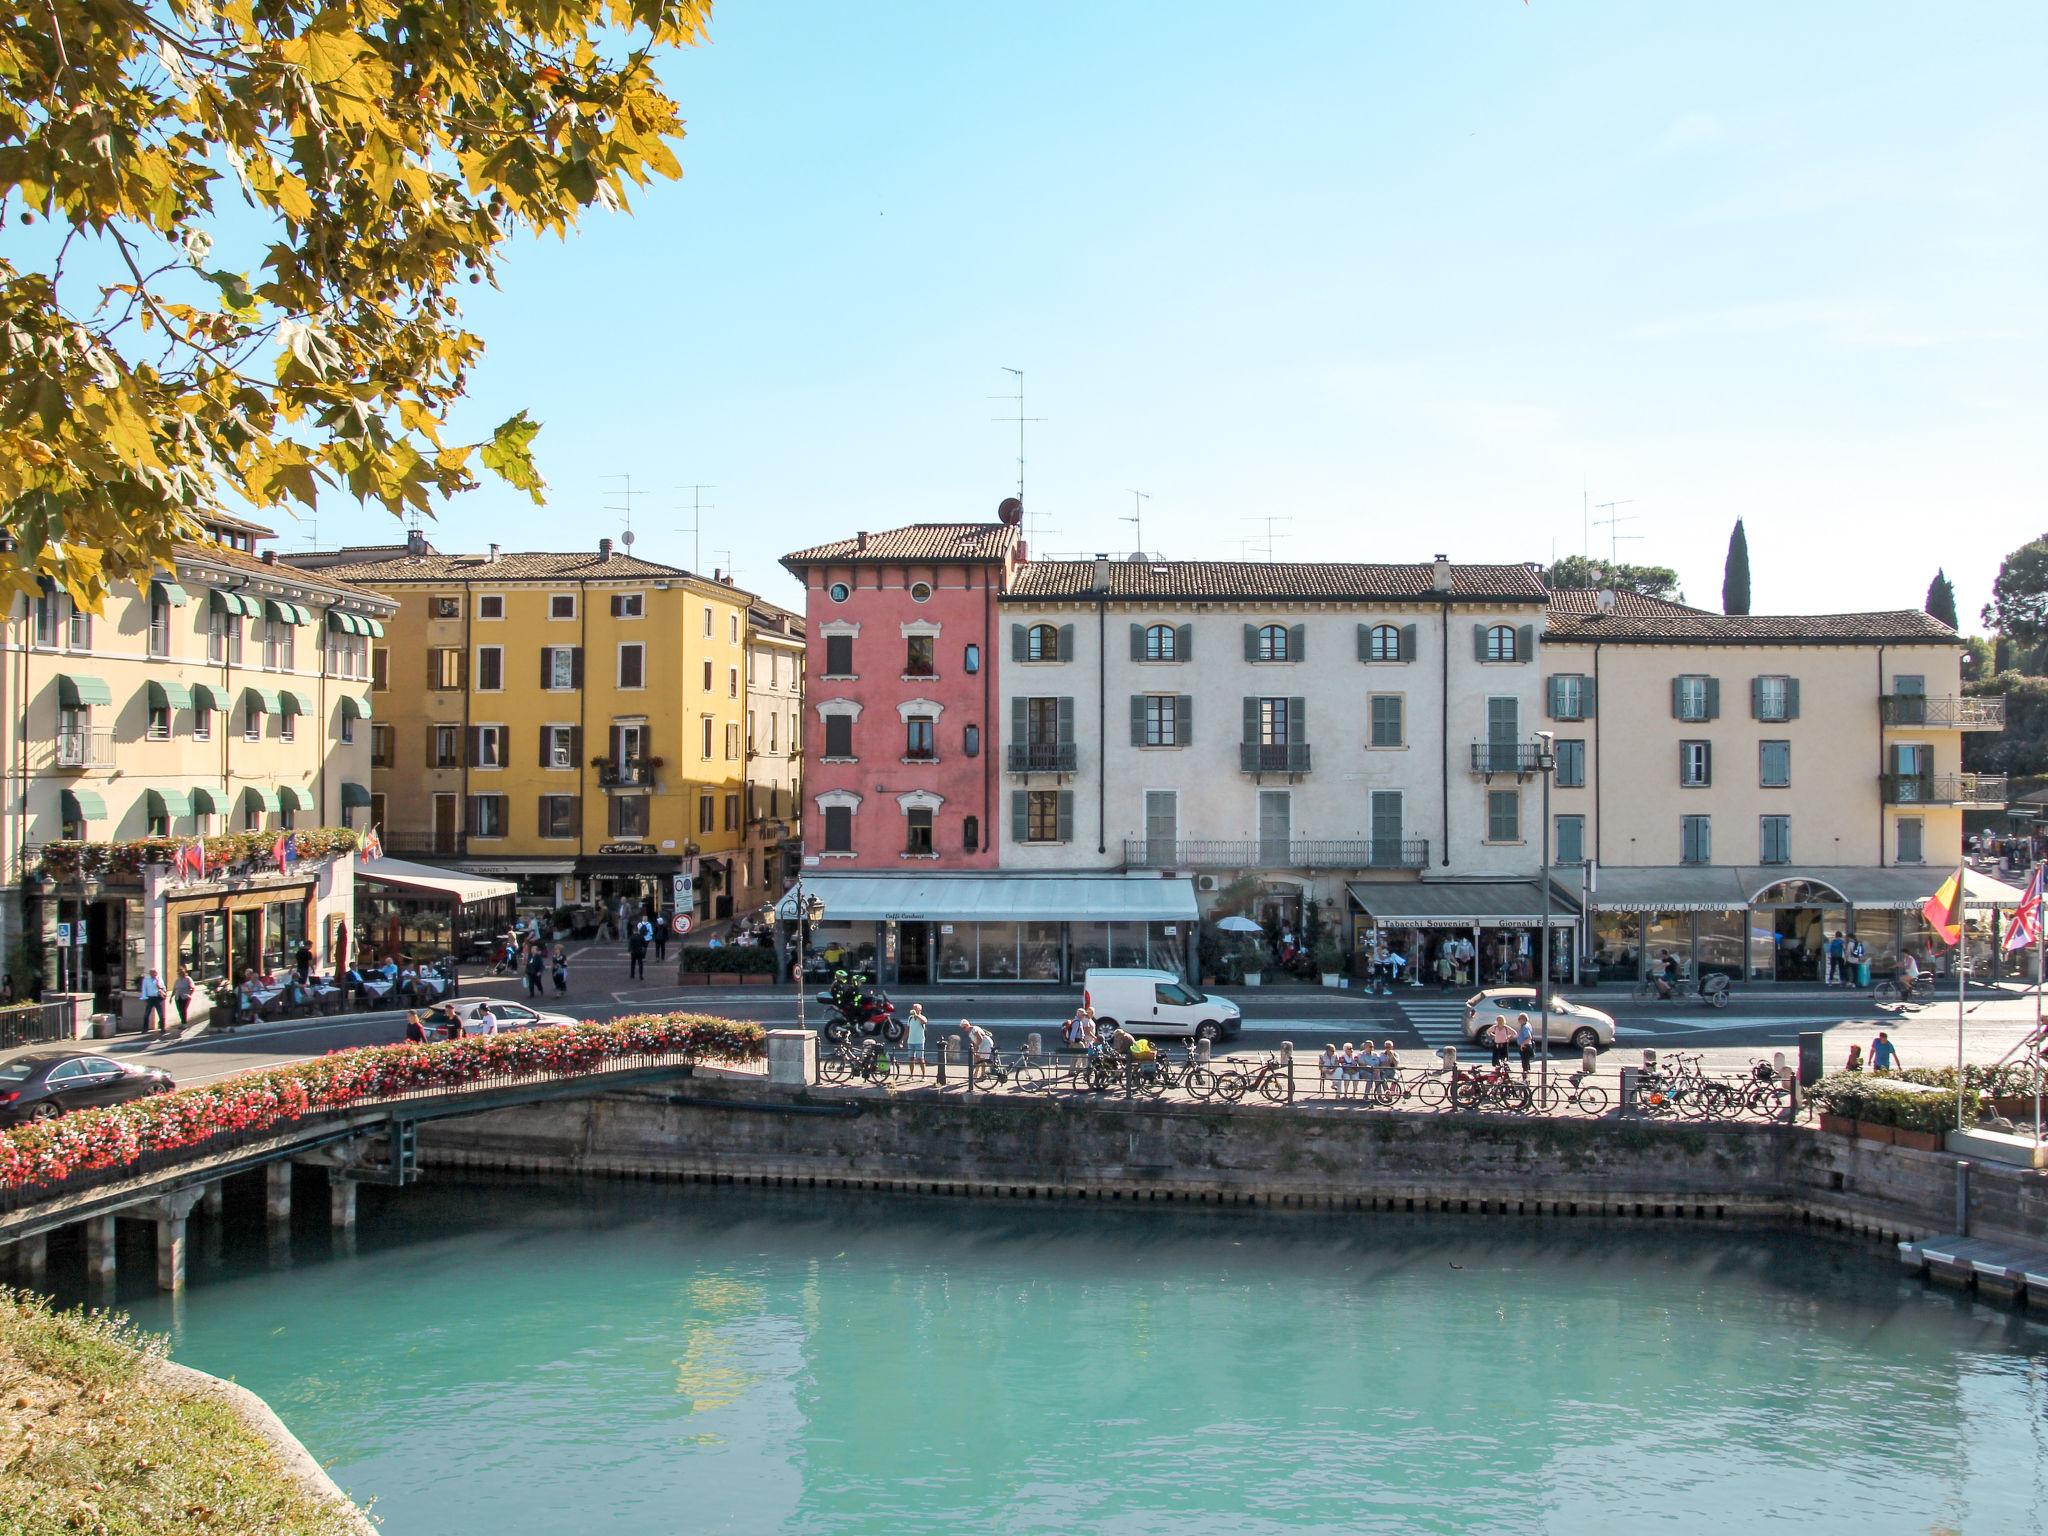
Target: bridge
x,y
369,1140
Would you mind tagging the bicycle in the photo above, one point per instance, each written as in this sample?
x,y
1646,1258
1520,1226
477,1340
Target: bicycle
x,y
867,1062
1583,1094
1766,1093
1492,1088
1709,991
1888,990
1269,1080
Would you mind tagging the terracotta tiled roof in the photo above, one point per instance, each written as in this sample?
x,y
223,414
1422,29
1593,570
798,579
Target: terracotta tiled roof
x,y
920,541
1905,626
403,569
283,572
1635,605
1270,581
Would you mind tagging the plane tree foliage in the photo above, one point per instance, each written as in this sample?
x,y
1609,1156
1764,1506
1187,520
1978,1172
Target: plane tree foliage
x,y
237,236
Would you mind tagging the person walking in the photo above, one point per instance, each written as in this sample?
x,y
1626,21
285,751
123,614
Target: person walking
x,y
1525,1041
181,996
536,972
636,953
1837,952
152,990
415,1031
561,971
1884,1056
660,937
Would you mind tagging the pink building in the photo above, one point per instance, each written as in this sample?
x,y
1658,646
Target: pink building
x,y
902,646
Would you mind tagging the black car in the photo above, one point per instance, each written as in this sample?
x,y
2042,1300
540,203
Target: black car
x,y
45,1084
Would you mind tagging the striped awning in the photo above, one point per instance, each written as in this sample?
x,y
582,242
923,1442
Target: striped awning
x,y
83,805
283,612
204,697
291,703
167,802
75,690
265,798
169,695
170,592
265,701
353,708
291,798
203,802
374,628
234,603
347,623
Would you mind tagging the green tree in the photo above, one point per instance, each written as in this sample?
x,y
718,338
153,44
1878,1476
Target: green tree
x,y
1582,573
1941,600
1735,573
242,227
2018,609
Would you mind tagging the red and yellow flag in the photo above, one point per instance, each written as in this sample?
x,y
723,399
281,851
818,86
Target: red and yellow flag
x,y
1944,909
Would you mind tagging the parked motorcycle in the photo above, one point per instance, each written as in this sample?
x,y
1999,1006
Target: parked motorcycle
x,y
860,1009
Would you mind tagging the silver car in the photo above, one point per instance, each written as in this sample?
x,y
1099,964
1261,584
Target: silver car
x,y
1572,1024
508,1015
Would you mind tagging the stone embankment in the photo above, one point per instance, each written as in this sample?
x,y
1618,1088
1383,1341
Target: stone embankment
x,y
733,1131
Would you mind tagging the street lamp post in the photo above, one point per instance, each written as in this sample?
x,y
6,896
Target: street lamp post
x,y
808,910
1546,764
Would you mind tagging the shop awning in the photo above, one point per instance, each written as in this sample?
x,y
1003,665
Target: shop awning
x,y
169,695
353,796
425,877
291,703
170,592
292,798
203,801
1899,889
205,697
353,708
1670,888
998,898
83,805
168,802
265,701
1462,904
234,603
75,690
266,798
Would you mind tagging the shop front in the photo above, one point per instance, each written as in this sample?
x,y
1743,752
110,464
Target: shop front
x,y
1466,932
622,880
418,912
938,929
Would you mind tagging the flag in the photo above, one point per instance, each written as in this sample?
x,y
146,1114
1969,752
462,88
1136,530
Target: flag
x,y
195,859
1944,909
285,850
2026,917
371,847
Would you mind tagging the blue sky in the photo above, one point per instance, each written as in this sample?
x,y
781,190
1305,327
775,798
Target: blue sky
x,y
1412,277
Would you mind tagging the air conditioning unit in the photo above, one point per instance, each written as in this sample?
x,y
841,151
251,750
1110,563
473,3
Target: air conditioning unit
x,y
1205,882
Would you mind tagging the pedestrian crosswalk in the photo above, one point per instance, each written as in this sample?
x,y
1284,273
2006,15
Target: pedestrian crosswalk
x,y
1439,1020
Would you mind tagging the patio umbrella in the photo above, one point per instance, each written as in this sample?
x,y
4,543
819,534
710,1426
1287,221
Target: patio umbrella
x,y
1235,924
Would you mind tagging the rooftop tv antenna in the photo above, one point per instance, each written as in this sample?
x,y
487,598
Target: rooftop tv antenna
x,y
1031,530
625,495
725,556
1612,523
696,528
1137,517
1273,536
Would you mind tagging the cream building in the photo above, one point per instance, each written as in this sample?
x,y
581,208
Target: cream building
x,y
1733,790
230,695
774,743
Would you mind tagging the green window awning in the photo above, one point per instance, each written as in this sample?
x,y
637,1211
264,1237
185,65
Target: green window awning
x,y
75,690
204,697
374,628
168,695
266,799
347,623
84,805
170,592
287,613
266,702
233,603
291,798
353,708
203,803
167,802
354,796
291,703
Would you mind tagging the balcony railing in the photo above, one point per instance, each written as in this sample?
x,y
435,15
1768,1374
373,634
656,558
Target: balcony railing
x,y
85,749
1042,757
1277,853
1273,757
1492,757
1943,788
1956,712
630,774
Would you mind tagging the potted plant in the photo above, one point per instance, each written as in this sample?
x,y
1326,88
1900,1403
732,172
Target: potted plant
x,y
1839,1096
1330,962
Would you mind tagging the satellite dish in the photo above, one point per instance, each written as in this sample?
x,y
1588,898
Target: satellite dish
x,y
1604,599
626,538
1137,557
1011,511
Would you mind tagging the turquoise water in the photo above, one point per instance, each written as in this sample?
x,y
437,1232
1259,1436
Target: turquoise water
x,y
624,1359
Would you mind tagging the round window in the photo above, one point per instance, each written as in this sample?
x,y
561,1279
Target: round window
x,y
920,591
839,591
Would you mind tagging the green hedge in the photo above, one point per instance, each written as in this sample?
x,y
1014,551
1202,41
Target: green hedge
x,y
743,959
1879,1099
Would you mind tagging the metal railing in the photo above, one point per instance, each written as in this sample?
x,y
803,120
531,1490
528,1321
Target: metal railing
x,y
1273,757
84,749
630,774
35,1024
1504,756
1959,712
1042,757
1276,853
1943,788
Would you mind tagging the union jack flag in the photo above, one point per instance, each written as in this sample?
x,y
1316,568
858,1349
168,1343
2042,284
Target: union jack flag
x,y
2026,917
371,847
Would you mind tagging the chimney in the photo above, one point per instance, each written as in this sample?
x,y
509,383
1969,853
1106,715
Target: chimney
x,y
860,541
415,542
270,557
604,549
492,557
1102,573
1440,579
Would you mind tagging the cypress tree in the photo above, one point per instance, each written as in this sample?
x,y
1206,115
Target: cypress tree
x,y
1941,600
1735,574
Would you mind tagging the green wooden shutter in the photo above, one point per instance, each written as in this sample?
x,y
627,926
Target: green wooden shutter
x,y
1365,642
1137,642
1251,719
1018,728
1551,690
1016,642
1137,719
1479,642
1066,642
1066,814
1183,719
1297,642
1756,698
1588,698
1525,643
1066,722
1184,643
1713,698
1407,642
1020,817
1251,642
1297,721
1677,688
1791,698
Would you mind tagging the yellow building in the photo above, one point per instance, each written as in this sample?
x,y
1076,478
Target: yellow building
x,y
774,743
230,696
568,721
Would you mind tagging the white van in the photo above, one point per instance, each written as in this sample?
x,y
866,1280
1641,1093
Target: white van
x,y
1157,1003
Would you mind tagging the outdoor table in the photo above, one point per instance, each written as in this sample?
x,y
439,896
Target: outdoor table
x,y
379,989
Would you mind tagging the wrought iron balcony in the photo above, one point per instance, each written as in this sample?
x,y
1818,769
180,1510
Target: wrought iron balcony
x,y
84,749
1273,757
1954,712
1042,756
1277,853
1943,788
632,773
1491,757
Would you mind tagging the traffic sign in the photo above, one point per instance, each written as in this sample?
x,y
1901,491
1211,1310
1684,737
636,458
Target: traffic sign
x,y
680,923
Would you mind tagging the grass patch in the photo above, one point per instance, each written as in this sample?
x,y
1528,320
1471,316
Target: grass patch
x,y
93,1440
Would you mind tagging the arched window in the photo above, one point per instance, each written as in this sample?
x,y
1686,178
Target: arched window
x,y
970,833
1159,643
1384,644
1273,642
1500,643
1042,643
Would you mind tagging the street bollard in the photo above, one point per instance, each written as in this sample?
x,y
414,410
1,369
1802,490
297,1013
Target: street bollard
x,y
1203,1050
1448,1055
1589,1060
1287,1061
1033,1044
1963,1197
947,1045
1650,1060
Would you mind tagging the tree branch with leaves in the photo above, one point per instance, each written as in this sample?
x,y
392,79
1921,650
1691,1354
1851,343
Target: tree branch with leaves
x,y
254,219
